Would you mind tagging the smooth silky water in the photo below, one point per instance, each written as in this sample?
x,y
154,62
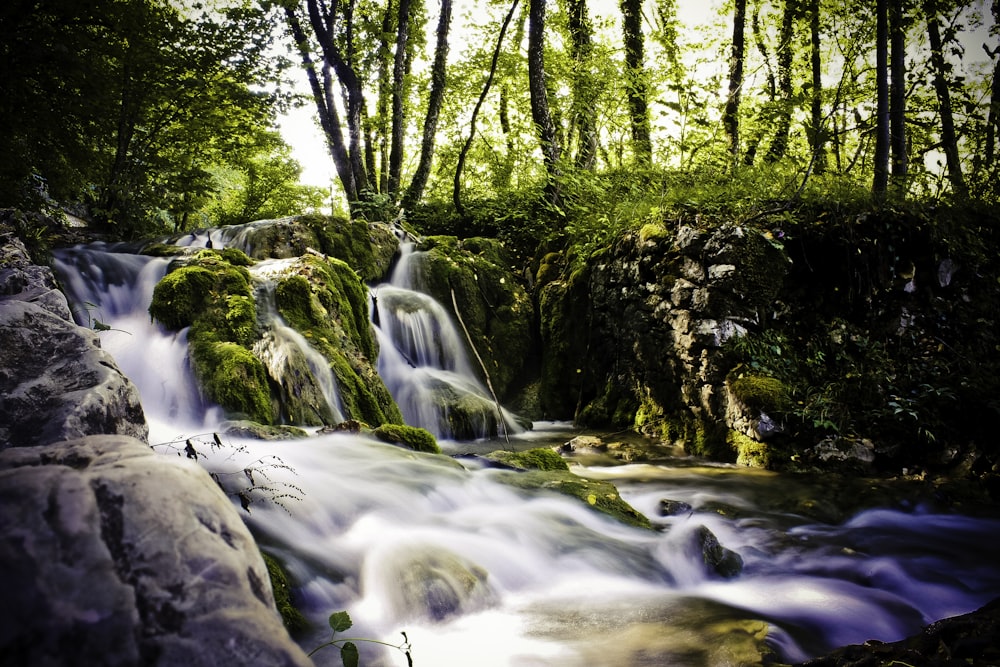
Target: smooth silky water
x,y
479,573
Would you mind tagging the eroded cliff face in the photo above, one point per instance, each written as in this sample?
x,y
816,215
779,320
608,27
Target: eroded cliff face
x,y
112,554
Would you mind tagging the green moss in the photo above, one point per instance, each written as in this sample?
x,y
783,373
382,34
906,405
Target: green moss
x,y
599,495
249,429
653,231
750,452
417,439
367,248
539,458
235,256
181,296
293,619
761,393
234,378
327,303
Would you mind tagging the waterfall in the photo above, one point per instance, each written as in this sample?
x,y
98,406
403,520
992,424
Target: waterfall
x,y
480,572
424,362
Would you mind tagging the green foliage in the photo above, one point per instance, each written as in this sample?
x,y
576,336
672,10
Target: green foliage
x,y
340,621
293,619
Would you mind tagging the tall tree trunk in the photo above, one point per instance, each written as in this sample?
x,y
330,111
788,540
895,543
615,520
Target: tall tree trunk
x,y
897,96
539,96
949,139
382,116
817,137
754,142
398,112
731,114
352,84
328,118
581,50
783,120
457,189
438,80
635,80
881,167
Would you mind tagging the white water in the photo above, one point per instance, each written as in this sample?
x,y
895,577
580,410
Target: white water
x,y
517,579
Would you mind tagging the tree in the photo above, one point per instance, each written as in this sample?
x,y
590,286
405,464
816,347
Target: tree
x,y
438,81
783,119
897,95
880,181
540,113
940,69
993,116
635,78
731,114
817,133
583,85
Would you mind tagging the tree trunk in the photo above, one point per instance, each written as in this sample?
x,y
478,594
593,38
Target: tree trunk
x,y
897,96
457,189
438,80
398,112
540,113
328,119
783,120
754,142
949,139
382,105
584,95
817,136
881,167
731,114
635,81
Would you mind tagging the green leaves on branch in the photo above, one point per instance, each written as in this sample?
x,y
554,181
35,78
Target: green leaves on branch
x,y
340,621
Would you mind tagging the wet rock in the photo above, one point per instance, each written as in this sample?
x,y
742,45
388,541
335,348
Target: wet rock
x,y
115,555
718,560
842,454
56,381
669,507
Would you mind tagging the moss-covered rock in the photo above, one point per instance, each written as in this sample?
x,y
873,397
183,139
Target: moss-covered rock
x,y
417,439
325,301
215,299
539,458
599,495
367,247
761,393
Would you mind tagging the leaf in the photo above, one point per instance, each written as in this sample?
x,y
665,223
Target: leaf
x,y
349,654
218,440
340,621
190,450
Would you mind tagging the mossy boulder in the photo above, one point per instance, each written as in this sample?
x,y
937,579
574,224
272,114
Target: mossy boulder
x,y
599,495
325,301
207,293
367,247
761,393
494,305
417,439
539,458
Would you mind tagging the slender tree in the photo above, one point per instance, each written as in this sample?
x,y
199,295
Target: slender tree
x,y
398,111
540,112
880,181
939,67
438,81
584,86
731,114
783,120
636,81
993,117
817,132
460,166
897,96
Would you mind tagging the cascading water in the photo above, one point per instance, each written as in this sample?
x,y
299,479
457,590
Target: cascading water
x,y
477,572
424,364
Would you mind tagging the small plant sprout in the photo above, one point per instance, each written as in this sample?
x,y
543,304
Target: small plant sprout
x,y
93,322
340,621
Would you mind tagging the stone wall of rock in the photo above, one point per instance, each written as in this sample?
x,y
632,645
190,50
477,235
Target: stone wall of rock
x,y
111,554
649,350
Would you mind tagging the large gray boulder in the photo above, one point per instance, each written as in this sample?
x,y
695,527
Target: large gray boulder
x,y
114,555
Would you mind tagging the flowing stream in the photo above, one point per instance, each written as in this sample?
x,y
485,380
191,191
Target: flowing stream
x,y
476,572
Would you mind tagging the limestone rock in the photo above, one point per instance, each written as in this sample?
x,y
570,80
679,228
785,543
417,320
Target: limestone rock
x,y
57,383
115,555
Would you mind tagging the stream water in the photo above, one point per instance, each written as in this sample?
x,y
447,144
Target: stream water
x,y
476,572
